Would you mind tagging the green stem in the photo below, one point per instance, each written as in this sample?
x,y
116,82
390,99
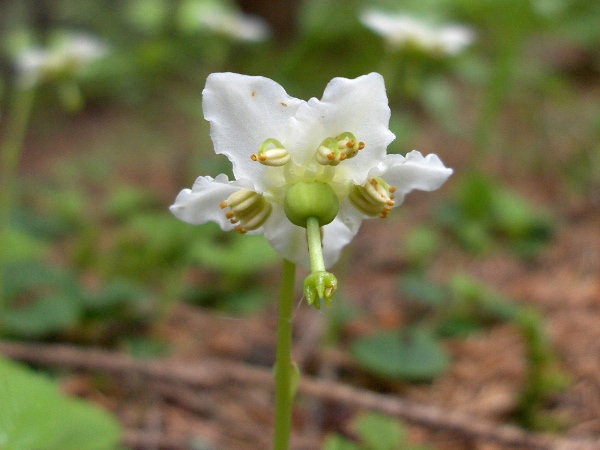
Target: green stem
x,y
10,155
313,236
283,366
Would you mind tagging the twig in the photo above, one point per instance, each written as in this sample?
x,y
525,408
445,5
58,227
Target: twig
x,y
214,372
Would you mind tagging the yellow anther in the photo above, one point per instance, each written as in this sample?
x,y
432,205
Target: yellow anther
x,y
223,205
272,153
247,207
361,145
374,198
240,230
350,143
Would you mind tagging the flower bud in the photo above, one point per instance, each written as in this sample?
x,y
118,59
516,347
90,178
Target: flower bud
x,y
311,199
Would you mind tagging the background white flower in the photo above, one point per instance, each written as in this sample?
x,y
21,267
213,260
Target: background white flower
x,y
401,30
68,52
222,18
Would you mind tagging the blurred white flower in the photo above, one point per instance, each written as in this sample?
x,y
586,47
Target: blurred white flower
x,y
221,18
400,31
68,53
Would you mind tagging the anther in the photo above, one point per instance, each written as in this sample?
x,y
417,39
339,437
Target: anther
x,y
249,208
374,198
240,230
272,153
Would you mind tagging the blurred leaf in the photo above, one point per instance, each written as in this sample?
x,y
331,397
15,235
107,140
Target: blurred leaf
x,y
45,316
18,246
481,300
413,354
337,442
118,292
127,201
38,225
147,347
34,415
420,245
245,302
43,300
419,288
380,432
238,255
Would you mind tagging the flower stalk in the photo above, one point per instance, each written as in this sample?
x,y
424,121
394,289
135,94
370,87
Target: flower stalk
x,y
10,155
284,367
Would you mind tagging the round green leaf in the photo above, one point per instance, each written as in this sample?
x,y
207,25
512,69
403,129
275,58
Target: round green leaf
x,y
413,354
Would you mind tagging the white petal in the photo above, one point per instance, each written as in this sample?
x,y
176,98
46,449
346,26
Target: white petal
x,y
336,236
243,112
286,238
201,203
359,106
412,172
350,216
290,242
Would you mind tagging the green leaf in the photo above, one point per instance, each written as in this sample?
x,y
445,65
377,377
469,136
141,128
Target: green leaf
x,y
34,415
413,354
480,300
245,302
337,442
18,246
419,288
239,255
45,316
380,432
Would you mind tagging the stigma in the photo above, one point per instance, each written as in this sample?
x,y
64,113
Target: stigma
x,y
248,210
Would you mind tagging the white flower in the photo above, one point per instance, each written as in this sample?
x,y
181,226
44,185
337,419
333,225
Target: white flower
x,y
221,18
401,30
68,53
276,141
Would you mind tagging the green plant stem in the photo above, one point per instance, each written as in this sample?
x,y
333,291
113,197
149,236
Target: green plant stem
x,y
283,365
10,155
313,236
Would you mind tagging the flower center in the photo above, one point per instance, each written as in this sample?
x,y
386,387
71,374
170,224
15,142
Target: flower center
x,y
248,208
375,198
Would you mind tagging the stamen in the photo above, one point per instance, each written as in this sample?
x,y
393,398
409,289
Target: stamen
x,y
247,207
374,198
272,153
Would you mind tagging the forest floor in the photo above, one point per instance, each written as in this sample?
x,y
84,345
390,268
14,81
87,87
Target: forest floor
x,y
215,389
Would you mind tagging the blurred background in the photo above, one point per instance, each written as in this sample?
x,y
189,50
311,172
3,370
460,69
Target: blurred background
x,y
481,298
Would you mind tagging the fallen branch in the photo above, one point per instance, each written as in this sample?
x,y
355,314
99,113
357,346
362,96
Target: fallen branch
x,y
214,372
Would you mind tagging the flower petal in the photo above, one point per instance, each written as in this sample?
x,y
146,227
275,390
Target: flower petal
x,y
243,112
350,216
287,239
359,106
201,203
336,236
414,171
